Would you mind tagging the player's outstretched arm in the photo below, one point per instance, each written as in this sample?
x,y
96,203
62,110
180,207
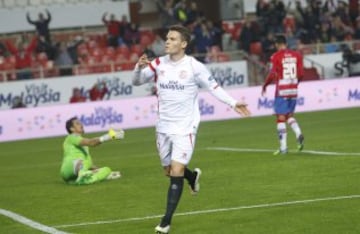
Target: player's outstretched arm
x,y
242,109
110,135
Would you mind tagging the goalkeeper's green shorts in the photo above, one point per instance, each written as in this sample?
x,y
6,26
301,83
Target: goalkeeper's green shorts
x,y
68,168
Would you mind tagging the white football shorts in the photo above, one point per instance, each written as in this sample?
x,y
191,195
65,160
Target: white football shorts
x,y
175,147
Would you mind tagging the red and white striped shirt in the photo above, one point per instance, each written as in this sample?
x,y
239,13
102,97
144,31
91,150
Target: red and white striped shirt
x,y
286,71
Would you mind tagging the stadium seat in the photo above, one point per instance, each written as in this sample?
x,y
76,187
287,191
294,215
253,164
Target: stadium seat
x,y
311,73
127,66
42,59
306,50
145,40
256,48
121,58
134,57
110,51
136,48
123,50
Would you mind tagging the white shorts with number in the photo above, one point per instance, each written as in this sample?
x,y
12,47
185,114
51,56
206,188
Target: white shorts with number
x,y
178,148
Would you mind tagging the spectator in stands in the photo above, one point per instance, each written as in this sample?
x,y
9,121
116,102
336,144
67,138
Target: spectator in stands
x,y
180,10
332,46
63,60
275,16
357,30
193,13
167,14
132,35
3,50
23,57
72,48
290,38
43,46
339,29
98,91
351,61
324,34
113,29
296,12
353,11
268,46
42,24
124,26
77,96
216,33
343,12
247,35
158,45
18,103
203,40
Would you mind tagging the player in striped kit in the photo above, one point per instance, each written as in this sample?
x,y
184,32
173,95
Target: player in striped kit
x,y
286,71
178,77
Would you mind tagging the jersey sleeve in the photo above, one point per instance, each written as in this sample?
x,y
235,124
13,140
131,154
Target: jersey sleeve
x,y
206,80
145,75
203,76
74,139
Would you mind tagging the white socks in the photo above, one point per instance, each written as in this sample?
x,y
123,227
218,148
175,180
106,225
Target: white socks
x,y
281,128
295,126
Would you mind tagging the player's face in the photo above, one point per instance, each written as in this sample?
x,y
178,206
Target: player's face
x,y
174,44
77,127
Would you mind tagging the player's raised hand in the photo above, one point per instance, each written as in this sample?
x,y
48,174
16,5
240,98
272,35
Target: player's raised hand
x,y
242,109
116,134
143,61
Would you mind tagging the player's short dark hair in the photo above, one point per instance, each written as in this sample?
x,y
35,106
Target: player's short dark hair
x,y
184,32
69,124
280,39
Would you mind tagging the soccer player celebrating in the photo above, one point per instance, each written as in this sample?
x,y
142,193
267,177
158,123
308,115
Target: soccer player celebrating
x,y
77,166
286,71
178,77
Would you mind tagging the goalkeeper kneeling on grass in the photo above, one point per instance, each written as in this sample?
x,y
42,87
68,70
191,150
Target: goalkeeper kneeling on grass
x,y
77,166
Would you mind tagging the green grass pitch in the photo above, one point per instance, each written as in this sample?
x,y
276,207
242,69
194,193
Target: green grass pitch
x,y
255,184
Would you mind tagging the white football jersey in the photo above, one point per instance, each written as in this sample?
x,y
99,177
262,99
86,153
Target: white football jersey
x,y
177,85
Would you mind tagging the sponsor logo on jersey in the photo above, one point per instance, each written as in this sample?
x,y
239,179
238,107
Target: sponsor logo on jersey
x,y
172,85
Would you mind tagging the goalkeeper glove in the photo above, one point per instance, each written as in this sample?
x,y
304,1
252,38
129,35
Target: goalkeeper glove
x,y
112,134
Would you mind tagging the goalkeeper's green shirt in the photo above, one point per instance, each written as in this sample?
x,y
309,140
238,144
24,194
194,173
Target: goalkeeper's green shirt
x,y
73,149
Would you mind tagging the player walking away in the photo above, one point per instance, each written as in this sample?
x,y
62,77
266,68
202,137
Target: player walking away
x,y
177,78
286,72
77,166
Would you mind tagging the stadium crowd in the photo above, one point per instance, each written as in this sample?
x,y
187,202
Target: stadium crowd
x,y
61,54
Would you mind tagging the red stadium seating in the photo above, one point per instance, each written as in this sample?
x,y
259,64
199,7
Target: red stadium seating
x,y
256,48
311,73
123,50
138,49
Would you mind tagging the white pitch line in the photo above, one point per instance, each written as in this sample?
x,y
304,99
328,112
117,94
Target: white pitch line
x,y
215,210
270,151
31,223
